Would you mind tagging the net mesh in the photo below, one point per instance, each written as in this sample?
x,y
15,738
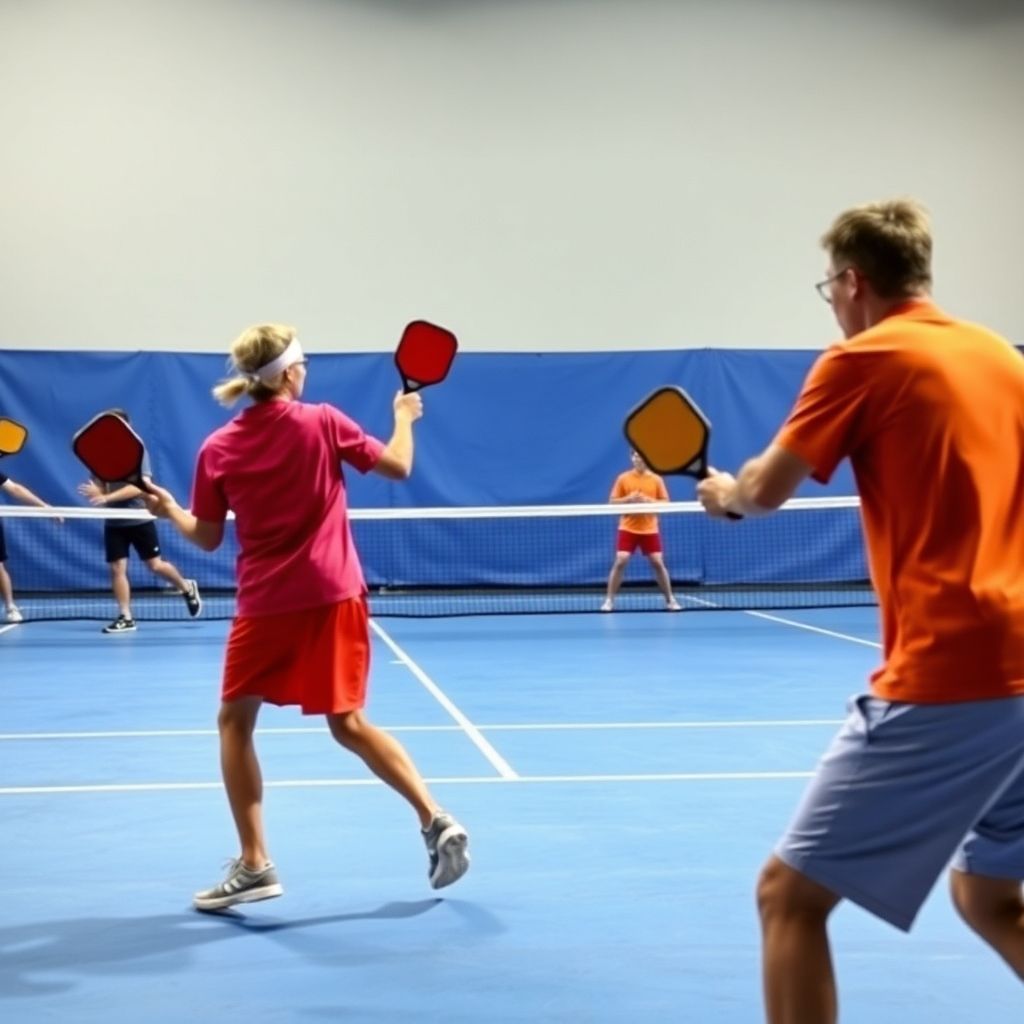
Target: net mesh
x,y
474,561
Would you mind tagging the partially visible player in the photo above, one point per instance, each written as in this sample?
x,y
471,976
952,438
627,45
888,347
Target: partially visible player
x,y
929,766
638,486
19,492
121,535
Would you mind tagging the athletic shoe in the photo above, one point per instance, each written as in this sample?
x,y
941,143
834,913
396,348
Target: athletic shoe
x,y
192,598
14,615
447,846
240,886
122,624
607,606
673,606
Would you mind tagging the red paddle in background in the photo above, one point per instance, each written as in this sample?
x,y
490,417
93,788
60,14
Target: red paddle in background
x,y
110,450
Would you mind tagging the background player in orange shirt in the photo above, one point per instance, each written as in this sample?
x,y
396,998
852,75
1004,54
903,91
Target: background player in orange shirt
x,y
638,530
929,766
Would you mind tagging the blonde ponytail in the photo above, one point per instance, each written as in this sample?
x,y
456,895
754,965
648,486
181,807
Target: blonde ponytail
x,y
252,349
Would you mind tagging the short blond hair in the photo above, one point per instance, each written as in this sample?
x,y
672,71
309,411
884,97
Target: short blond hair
x,y
889,242
253,348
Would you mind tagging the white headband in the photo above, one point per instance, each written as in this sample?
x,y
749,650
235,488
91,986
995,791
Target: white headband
x,y
289,357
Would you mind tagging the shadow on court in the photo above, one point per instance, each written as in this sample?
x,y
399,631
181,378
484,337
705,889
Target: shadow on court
x,y
45,958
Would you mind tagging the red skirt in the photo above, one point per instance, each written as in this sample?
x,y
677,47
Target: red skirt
x,y
318,659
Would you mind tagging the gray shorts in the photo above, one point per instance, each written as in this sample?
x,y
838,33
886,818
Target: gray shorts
x,y
903,790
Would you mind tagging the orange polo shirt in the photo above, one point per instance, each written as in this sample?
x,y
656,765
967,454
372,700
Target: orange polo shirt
x,y
647,483
930,412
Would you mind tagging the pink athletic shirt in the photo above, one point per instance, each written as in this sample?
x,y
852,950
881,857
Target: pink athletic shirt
x,y
277,466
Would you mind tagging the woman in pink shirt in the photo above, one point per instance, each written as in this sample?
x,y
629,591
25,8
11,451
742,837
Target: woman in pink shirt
x,y
301,636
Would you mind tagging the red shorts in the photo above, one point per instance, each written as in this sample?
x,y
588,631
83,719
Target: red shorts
x,y
648,543
318,659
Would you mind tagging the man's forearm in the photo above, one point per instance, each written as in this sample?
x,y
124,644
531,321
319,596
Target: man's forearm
x,y
743,499
24,495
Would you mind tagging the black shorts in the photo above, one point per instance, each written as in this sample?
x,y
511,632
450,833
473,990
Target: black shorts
x,y
118,540
3,545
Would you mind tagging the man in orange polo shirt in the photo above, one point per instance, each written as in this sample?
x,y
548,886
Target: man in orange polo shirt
x,y
929,767
638,530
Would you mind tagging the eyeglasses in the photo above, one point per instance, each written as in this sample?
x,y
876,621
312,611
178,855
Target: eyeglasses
x,y
822,287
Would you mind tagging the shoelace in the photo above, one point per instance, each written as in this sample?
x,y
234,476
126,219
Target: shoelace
x,y
231,865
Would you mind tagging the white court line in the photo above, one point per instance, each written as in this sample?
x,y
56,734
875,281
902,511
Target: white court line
x,y
770,723
117,734
788,622
816,629
4,629
485,780
663,777
503,768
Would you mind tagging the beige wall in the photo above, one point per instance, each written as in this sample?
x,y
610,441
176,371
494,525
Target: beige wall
x,y
597,174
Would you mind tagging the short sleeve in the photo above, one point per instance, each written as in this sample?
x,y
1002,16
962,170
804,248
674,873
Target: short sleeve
x,y
349,441
619,487
208,500
662,490
825,424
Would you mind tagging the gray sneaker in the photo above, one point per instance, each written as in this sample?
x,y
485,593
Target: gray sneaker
x,y
241,886
448,848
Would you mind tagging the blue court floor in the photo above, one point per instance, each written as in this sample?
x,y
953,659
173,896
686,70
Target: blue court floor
x,y
622,777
